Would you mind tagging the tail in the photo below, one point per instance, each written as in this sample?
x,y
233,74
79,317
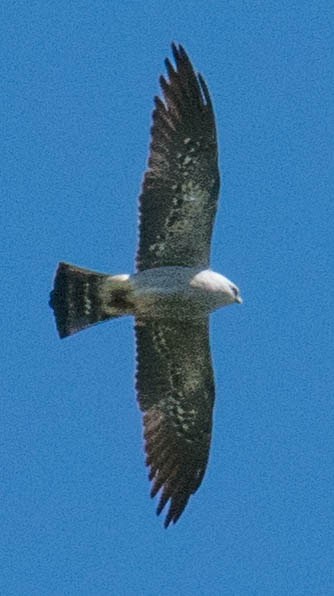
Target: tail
x,y
81,298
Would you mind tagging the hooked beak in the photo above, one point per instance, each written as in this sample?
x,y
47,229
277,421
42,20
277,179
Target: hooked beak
x,y
239,300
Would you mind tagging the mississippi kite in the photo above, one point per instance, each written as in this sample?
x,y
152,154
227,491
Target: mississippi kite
x,y
173,290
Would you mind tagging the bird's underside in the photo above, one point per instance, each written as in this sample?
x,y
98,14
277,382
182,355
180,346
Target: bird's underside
x,y
174,379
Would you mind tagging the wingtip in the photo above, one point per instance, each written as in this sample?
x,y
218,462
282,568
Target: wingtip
x,y
168,519
205,90
174,46
177,47
173,513
179,52
171,518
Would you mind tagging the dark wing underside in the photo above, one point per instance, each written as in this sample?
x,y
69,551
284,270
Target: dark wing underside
x,y
180,190
175,389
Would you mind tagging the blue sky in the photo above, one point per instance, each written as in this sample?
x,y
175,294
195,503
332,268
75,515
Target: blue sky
x,y
78,81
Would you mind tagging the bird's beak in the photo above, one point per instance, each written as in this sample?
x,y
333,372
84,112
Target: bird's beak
x,y
239,299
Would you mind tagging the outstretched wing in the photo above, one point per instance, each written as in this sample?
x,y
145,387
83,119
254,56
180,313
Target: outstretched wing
x,y
180,190
176,394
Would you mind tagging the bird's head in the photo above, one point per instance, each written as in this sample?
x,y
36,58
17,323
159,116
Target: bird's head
x,y
234,292
221,289
229,292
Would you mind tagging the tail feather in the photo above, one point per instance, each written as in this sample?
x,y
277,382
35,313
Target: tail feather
x,y
77,299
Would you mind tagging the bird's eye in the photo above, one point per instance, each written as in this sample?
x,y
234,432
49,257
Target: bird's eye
x,y
235,291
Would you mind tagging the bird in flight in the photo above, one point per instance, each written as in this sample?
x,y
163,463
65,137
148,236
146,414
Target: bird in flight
x,y
173,290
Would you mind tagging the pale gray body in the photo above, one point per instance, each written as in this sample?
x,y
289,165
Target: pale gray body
x,y
171,292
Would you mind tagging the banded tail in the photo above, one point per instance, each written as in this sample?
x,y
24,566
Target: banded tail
x,y
81,298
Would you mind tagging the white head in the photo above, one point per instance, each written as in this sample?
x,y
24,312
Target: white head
x,y
221,289
229,290
233,291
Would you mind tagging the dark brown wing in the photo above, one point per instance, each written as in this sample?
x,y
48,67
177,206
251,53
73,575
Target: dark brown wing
x,y
176,394
180,190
